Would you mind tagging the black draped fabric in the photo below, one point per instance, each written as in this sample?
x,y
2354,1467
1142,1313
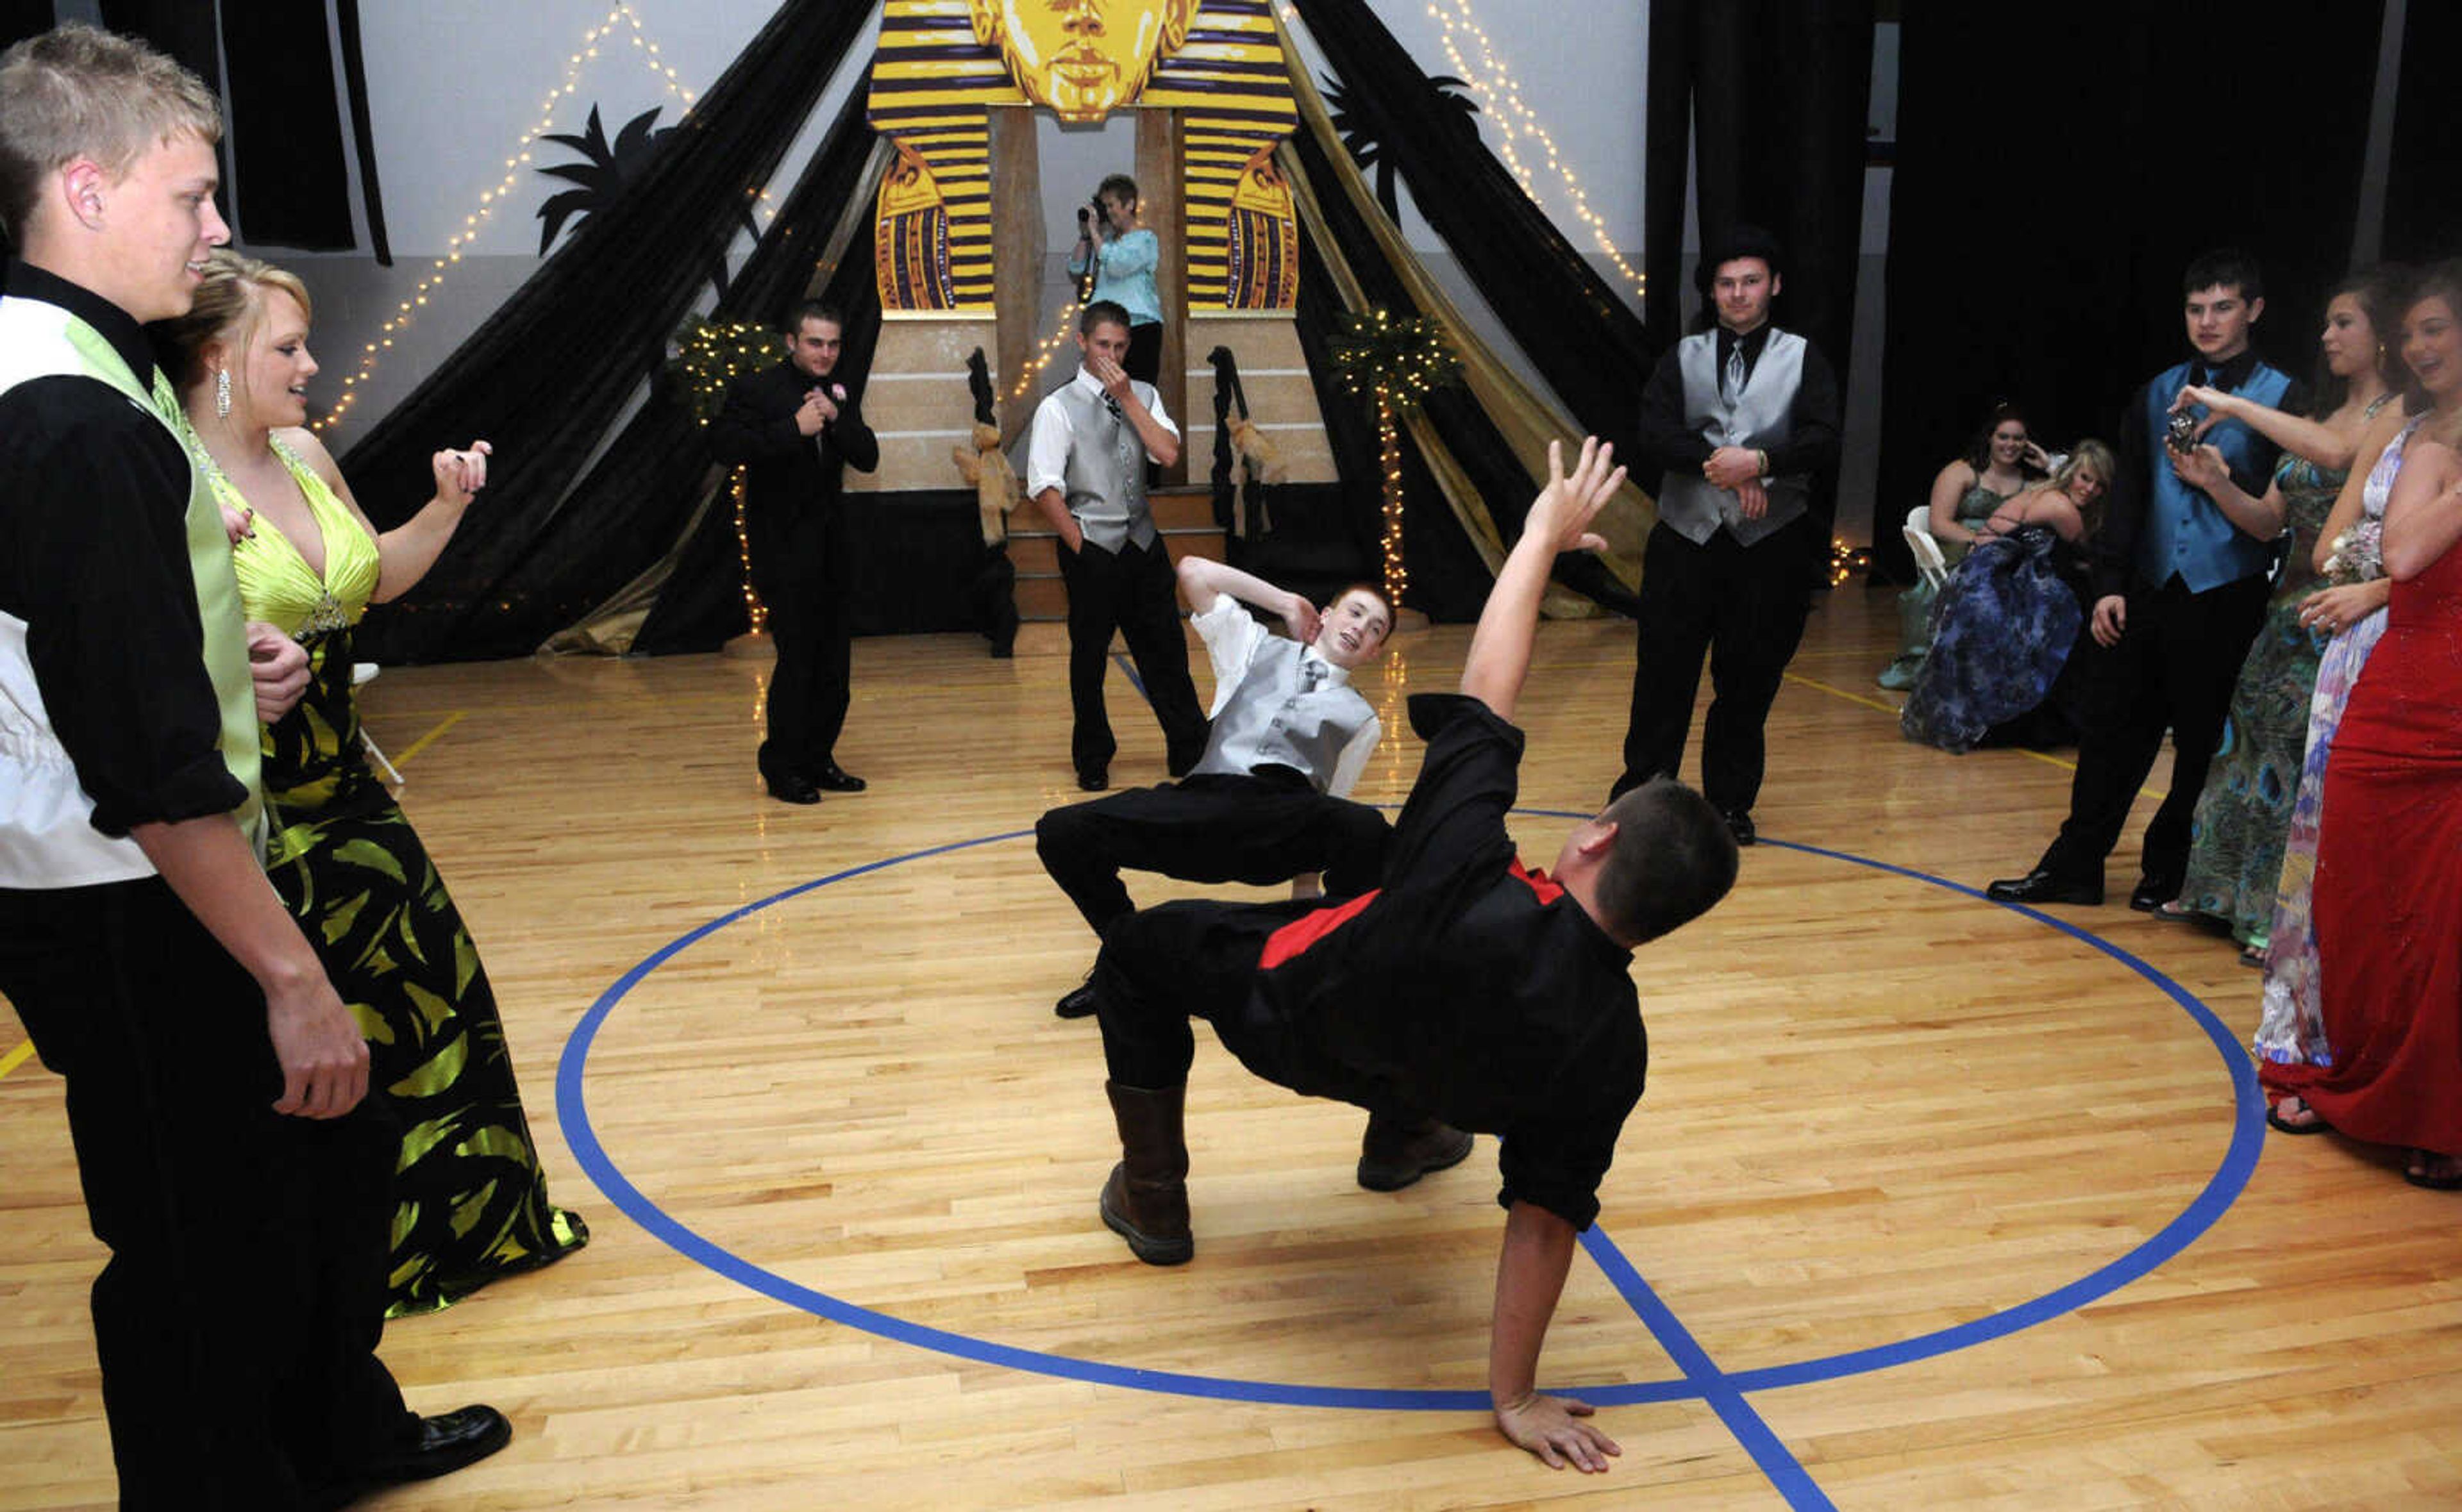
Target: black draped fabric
x,y
2173,130
1760,106
1448,579
285,127
548,374
1584,342
20,20
283,146
354,80
2423,214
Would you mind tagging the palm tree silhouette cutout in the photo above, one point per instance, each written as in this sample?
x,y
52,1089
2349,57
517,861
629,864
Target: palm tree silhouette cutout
x,y
1363,134
610,170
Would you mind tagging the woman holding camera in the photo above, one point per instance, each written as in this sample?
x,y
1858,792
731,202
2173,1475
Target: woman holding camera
x,y
1115,247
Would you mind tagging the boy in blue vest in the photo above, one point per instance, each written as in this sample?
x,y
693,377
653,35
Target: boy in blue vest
x,y
2181,587
1466,988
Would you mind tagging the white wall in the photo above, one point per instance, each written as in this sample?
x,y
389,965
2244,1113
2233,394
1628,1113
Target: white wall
x,y
458,86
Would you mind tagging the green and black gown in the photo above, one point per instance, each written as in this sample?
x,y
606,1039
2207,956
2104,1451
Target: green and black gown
x,y
471,1202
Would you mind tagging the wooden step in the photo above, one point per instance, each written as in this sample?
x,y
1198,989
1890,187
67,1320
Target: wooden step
x,y
1184,515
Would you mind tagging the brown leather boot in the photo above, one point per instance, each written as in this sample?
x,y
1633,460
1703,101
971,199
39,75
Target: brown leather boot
x,y
1146,1200
1396,1151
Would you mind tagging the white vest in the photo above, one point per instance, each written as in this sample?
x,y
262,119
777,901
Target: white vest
x,y
1761,415
47,838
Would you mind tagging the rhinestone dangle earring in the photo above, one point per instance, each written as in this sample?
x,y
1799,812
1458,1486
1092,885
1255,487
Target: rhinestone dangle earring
x,y
222,393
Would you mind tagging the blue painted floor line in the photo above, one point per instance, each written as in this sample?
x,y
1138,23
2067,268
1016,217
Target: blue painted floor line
x,y
1775,1459
1129,670
1725,1393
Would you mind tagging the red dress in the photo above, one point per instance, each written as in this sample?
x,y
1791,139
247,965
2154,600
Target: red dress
x,y
2389,889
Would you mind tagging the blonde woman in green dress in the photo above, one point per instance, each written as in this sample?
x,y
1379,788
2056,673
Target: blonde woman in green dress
x,y
471,1202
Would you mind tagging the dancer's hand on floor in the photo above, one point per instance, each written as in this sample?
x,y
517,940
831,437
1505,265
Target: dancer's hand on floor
x,y
1553,1429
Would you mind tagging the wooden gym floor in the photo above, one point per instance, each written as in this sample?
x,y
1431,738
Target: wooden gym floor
x,y
1930,1204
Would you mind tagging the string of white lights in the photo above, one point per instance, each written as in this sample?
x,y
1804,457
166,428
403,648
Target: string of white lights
x,y
1497,85
372,354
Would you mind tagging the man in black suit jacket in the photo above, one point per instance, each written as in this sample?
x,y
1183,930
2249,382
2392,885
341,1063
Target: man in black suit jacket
x,y
797,428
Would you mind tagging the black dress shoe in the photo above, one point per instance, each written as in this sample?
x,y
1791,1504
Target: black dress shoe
x,y
1093,779
2039,886
835,778
788,788
1740,824
445,1444
1079,1001
2151,892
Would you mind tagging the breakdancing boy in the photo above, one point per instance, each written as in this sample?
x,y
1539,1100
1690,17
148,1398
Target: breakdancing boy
x,y
1466,990
1267,801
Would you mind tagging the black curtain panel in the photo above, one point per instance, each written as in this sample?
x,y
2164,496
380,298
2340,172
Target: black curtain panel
x,y
2423,219
552,371
354,81
286,125
283,148
1584,342
1758,107
20,20
2037,235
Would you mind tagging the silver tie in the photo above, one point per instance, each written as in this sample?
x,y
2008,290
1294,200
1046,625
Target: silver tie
x,y
1735,372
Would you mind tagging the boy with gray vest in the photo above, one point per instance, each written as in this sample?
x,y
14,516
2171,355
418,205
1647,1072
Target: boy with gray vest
x,y
1267,801
1738,417
231,1156
1085,469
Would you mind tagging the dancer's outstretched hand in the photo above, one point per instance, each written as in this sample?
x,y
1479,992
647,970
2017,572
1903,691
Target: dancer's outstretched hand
x,y
1564,509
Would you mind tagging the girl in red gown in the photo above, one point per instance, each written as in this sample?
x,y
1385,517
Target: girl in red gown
x,y
2389,885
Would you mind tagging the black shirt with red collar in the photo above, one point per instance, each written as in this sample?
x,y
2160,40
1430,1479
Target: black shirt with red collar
x,y
1467,987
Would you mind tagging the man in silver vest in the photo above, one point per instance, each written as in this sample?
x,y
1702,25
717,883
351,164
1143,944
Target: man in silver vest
x,y
1085,469
232,1158
1267,801
1738,417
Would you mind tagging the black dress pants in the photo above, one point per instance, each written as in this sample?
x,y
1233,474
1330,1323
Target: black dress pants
x,y
1134,592
237,1318
1256,827
2174,667
811,628
1743,606
1165,966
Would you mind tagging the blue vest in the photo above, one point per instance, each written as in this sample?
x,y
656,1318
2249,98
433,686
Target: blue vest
x,y
2187,532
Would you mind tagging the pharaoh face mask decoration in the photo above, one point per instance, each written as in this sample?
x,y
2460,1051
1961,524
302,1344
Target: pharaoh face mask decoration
x,y
1084,58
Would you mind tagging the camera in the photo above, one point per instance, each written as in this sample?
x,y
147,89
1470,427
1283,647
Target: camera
x,y
2180,431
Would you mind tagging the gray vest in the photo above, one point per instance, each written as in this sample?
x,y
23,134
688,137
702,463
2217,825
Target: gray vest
x,y
1762,416
1107,469
1275,718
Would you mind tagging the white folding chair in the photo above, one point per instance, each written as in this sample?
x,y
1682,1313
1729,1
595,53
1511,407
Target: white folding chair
x,y
1930,564
363,673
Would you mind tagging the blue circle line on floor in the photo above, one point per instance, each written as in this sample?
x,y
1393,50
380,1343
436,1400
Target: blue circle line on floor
x,y
1724,1391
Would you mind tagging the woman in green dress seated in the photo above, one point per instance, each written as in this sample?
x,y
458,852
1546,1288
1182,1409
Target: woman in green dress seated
x,y
471,1201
